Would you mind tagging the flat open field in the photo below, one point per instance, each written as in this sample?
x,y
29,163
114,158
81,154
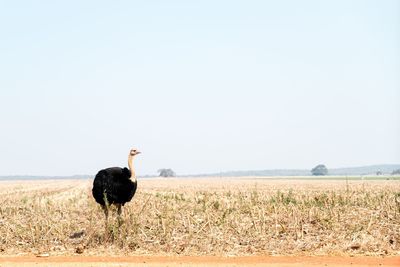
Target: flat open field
x,y
197,217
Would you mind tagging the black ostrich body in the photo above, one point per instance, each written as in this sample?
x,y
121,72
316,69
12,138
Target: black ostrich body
x,y
114,184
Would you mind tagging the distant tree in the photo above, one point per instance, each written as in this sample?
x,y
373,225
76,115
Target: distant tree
x,y
394,172
319,170
379,173
166,173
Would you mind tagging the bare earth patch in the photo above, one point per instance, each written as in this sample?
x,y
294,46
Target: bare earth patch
x,y
278,261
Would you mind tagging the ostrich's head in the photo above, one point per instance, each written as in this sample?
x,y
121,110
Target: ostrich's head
x,y
134,152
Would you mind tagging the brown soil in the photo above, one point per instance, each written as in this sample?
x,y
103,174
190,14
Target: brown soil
x,y
277,261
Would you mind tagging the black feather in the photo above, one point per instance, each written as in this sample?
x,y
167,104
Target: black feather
x,y
115,184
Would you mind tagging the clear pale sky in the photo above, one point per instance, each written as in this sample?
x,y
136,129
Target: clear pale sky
x,y
198,86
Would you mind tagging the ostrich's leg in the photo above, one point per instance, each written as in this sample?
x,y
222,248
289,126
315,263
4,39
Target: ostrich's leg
x,y
119,212
105,209
119,207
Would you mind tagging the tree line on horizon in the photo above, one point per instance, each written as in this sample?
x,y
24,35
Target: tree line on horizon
x,y
319,170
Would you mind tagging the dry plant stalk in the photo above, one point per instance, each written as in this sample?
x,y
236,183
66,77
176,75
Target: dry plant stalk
x,y
205,216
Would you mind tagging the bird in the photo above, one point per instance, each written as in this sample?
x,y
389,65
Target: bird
x,y
115,185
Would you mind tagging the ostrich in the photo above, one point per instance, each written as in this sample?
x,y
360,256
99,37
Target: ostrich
x,y
115,186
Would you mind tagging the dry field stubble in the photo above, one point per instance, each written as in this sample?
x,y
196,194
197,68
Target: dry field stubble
x,y
204,216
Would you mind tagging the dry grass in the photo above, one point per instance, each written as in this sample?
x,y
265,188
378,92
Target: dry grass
x,y
205,216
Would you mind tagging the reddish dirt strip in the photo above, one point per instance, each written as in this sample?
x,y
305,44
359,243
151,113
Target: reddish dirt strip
x,y
214,260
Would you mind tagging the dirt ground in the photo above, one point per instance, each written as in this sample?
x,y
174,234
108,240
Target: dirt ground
x,y
172,261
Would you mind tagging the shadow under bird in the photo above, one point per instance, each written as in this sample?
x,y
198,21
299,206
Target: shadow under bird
x,y
115,185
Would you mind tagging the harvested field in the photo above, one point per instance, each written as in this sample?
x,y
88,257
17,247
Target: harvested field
x,y
222,217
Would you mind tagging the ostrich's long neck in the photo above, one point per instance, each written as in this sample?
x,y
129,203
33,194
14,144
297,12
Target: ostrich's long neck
x,y
130,165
